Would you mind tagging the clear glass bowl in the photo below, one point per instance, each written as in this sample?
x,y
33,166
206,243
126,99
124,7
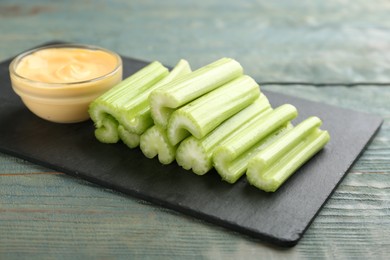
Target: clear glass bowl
x,y
63,102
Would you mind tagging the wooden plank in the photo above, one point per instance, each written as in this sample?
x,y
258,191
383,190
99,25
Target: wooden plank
x,y
321,41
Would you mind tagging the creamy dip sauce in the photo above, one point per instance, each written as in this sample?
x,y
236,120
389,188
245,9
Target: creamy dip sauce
x,y
66,65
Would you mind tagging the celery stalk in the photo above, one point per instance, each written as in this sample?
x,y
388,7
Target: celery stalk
x,y
232,171
196,154
230,123
204,114
182,68
127,99
108,132
271,167
133,91
179,92
154,142
130,139
243,140
139,122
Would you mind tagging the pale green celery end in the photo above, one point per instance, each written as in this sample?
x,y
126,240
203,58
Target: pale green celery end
x,y
98,111
154,142
181,69
204,114
191,86
180,126
130,139
232,170
108,132
138,123
272,178
161,112
227,128
191,155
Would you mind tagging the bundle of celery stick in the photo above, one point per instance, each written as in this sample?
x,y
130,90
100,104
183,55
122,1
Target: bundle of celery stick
x,y
213,117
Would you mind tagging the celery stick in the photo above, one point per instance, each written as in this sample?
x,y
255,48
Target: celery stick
x,y
182,68
236,168
130,139
204,114
125,101
196,154
107,133
139,122
179,92
155,142
243,140
271,167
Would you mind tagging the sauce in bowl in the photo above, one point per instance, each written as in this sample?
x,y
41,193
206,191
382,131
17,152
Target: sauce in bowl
x,y
58,82
66,65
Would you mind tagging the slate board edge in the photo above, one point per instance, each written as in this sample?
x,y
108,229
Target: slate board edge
x,y
380,122
185,210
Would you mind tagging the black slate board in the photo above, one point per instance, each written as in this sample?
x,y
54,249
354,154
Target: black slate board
x,y
280,218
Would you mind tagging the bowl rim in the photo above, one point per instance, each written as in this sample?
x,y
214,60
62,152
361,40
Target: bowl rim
x,y
61,85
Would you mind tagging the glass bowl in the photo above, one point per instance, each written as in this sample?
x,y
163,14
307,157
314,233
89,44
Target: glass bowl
x,y
63,102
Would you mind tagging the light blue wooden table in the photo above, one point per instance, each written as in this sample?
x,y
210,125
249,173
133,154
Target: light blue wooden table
x,y
46,214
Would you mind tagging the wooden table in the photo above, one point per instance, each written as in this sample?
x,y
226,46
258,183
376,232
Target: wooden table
x,y
336,52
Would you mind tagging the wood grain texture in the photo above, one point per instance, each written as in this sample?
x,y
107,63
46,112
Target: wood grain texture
x,y
322,41
46,215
